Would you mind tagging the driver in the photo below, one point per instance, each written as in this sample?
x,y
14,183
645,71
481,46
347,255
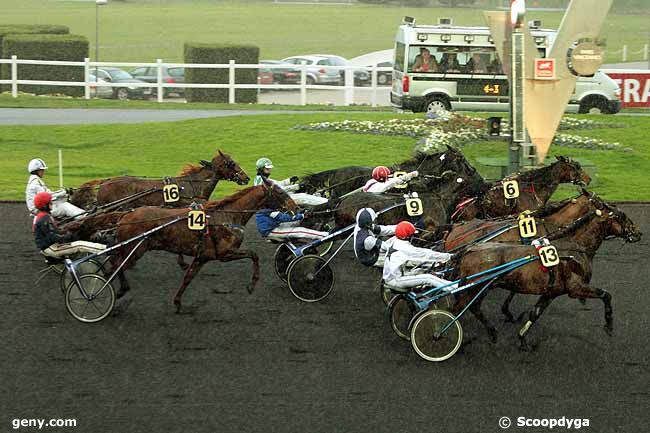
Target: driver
x,y
402,255
48,238
60,207
380,181
290,185
368,248
281,226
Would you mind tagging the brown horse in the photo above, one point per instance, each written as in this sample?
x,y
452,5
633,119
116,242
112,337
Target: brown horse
x,y
220,241
535,188
505,229
195,182
570,276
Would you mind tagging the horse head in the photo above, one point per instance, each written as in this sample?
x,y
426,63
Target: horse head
x,y
570,171
226,168
618,224
277,198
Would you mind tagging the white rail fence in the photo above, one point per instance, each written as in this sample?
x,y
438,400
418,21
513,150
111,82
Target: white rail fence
x,y
625,53
348,88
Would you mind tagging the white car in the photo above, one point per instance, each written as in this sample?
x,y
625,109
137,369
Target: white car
x,y
99,91
316,74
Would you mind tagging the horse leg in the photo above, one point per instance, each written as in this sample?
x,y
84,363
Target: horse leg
x,y
181,262
245,254
585,292
190,272
534,314
475,308
505,308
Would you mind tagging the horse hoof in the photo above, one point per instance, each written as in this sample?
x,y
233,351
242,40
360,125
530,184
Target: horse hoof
x,y
121,307
609,329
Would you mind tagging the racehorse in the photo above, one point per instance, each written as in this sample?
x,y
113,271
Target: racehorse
x,y
340,181
194,182
570,276
536,188
219,241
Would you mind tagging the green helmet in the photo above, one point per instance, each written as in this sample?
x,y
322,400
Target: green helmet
x,y
263,163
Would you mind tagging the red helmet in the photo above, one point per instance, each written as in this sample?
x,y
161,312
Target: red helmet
x,y
404,230
381,173
42,199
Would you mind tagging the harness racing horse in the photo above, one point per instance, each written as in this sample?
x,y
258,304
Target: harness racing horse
x,y
220,241
340,181
195,182
535,188
570,277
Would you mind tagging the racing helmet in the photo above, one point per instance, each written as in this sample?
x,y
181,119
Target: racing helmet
x,y
263,163
366,217
404,230
381,173
42,199
36,164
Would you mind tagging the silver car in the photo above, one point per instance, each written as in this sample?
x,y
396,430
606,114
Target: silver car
x,y
316,74
99,91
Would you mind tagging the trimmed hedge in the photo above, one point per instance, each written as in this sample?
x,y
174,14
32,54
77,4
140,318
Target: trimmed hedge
x,y
47,47
21,29
220,54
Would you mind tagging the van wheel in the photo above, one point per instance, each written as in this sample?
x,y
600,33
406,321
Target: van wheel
x,y
594,105
437,104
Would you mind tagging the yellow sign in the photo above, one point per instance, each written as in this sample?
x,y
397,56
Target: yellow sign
x,y
171,193
549,256
492,89
196,220
400,174
510,189
414,207
527,227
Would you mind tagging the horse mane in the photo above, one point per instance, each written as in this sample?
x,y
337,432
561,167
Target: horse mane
x,y
230,199
551,208
190,169
580,222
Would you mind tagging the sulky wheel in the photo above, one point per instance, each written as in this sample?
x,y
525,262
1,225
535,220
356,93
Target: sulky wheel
x,y
97,305
387,294
426,337
401,311
310,279
282,259
321,250
92,266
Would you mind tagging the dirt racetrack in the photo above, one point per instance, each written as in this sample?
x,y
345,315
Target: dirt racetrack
x,y
267,362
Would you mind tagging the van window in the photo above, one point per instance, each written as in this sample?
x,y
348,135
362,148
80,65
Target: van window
x,y
400,50
454,60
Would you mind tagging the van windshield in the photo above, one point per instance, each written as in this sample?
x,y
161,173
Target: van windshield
x,y
454,60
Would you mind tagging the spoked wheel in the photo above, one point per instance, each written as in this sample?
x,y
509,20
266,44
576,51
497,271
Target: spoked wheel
x,y
427,337
91,266
310,279
401,312
282,259
97,305
323,249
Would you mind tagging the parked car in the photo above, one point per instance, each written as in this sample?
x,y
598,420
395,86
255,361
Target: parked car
x,y
265,75
361,76
287,75
385,78
117,75
169,75
316,74
99,91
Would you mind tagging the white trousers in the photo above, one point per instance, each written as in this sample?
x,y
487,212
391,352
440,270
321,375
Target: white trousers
x,y
292,230
73,248
63,209
302,198
410,281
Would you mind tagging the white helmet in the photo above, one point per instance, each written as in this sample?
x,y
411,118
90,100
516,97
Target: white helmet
x,y
36,164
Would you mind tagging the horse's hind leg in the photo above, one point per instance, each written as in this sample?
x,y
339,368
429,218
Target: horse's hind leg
x,y
505,308
475,308
245,254
181,262
585,292
534,314
193,268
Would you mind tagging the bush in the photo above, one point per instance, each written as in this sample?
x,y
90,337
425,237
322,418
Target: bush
x,y
220,54
47,47
29,29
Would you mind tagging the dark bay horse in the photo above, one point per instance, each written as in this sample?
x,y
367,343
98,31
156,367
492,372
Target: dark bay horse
x,y
535,188
195,182
577,247
220,241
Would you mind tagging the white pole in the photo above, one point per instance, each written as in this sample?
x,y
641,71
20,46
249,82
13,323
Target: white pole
x,y
231,82
373,80
303,83
625,53
14,76
60,169
349,87
645,51
159,87
87,78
